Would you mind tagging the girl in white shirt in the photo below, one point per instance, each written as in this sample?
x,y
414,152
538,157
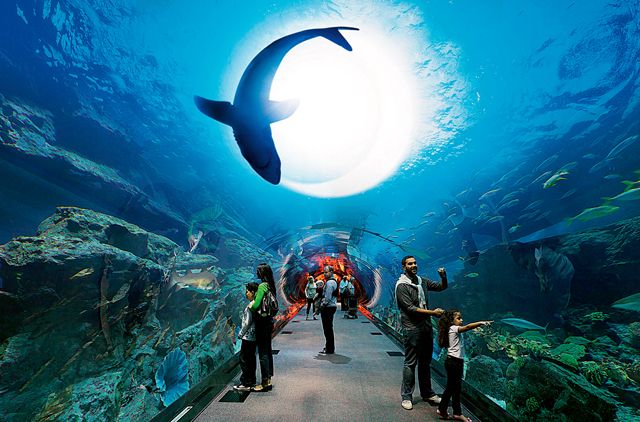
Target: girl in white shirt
x,y
450,331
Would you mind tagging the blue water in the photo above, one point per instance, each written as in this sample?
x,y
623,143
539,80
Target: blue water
x,y
97,111
537,81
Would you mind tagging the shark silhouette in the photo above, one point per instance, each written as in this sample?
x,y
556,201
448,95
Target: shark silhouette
x,y
252,113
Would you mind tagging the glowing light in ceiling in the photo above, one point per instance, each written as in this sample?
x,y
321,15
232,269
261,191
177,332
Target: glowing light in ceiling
x,y
355,123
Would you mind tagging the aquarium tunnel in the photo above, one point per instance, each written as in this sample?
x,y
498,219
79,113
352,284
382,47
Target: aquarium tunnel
x,y
158,158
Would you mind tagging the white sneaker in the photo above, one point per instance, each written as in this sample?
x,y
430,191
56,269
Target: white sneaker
x,y
435,399
407,404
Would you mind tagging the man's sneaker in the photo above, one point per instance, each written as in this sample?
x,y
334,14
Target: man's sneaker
x,y
435,399
242,388
443,415
407,404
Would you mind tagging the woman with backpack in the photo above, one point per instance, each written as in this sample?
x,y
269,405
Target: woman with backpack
x,y
264,324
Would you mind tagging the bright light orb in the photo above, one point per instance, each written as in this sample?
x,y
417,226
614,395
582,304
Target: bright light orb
x,y
355,123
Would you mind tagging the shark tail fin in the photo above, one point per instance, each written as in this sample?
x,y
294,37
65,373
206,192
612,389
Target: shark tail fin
x,y
222,111
334,35
280,110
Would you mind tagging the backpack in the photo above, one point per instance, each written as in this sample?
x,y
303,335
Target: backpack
x,y
269,305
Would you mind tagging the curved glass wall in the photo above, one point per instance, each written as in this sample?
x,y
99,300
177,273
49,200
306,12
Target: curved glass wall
x,y
497,140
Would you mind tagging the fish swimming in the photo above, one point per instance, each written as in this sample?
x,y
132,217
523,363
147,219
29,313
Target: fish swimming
x,y
83,273
593,213
252,113
514,228
523,323
622,145
630,303
553,180
627,195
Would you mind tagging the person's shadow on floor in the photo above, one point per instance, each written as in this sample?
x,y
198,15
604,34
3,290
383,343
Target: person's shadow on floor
x,y
334,358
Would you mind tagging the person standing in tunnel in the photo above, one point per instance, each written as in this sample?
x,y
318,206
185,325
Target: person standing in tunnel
x,y
328,309
344,293
264,327
415,317
317,299
310,293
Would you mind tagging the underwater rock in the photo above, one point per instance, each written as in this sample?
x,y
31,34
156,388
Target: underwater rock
x,y
89,225
557,391
486,375
92,300
95,398
509,282
64,173
629,396
593,268
606,262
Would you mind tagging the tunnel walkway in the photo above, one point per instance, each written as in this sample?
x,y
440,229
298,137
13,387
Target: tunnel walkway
x,y
360,382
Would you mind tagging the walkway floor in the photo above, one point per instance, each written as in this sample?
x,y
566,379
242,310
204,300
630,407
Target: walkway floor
x,y
361,382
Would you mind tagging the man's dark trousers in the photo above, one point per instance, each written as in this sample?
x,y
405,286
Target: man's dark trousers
x,y
327,314
418,347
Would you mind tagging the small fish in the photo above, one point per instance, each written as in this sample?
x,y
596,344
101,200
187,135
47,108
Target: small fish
x,y
622,145
523,323
599,166
509,204
514,228
495,219
511,195
593,213
471,275
83,273
568,193
542,216
553,180
545,163
630,185
534,204
537,254
489,193
569,166
630,303
589,156
541,177
529,215
612,176
627,195
429,214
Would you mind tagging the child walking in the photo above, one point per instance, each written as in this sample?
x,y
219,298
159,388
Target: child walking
x,y
248,348
450,331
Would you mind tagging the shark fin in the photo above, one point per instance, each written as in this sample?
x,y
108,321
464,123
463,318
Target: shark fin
x,y
222,111
334,35
280,110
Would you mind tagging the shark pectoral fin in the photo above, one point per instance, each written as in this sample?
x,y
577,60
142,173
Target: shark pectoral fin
x,y
334,35
280,110
222,111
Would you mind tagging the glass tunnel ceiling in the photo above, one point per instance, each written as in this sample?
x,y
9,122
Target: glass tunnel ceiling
x,y
504,121
499,140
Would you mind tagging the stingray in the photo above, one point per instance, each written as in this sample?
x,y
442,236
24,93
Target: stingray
x,y
252,113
